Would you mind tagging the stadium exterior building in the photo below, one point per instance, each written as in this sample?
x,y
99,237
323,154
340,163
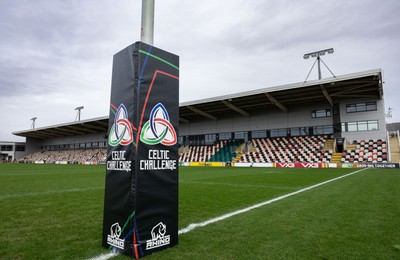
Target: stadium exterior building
x,y
10,151
347,108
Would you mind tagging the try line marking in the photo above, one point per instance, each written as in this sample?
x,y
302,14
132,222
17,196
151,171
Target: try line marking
x,y
240,211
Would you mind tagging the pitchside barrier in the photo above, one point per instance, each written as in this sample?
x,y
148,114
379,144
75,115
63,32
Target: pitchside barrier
x,y
298,165
141,193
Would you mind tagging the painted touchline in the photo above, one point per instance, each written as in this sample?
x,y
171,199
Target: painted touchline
x,y
240,211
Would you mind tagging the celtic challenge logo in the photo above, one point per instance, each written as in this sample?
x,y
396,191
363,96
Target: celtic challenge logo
x,y
121,131
158,129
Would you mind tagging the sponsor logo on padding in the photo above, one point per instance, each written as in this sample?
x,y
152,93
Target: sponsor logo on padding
x,y
113,238
158,237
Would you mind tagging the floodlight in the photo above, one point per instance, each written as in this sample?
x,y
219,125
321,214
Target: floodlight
x,y
318,54
78,115
33,122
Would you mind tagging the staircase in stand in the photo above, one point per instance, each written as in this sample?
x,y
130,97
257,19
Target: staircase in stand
x,y
239,154
336,157
329,145
394,149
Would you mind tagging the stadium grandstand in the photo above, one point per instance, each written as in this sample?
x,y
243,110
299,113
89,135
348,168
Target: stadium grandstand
x,y
334,120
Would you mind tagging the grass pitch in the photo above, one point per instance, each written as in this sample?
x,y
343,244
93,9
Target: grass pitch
x,y
55,212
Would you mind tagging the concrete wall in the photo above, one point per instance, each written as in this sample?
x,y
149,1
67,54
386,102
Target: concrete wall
x,y
13,154
75,139
35,145
264,120
379,115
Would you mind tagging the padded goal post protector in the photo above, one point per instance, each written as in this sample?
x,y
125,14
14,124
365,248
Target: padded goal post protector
x,y
141,191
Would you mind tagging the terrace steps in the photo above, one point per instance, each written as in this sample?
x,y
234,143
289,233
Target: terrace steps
x,y
351,146
336,157
329,144
394,149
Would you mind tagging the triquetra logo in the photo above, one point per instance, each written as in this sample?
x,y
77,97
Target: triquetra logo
x,y
158,129
121,131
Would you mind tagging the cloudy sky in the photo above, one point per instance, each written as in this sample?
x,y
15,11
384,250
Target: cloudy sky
x,y
57,54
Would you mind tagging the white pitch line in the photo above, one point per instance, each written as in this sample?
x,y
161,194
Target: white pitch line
x,y
103,256
240,211
8,196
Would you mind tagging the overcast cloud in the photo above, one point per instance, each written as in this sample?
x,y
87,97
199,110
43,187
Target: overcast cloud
x,y
57,54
